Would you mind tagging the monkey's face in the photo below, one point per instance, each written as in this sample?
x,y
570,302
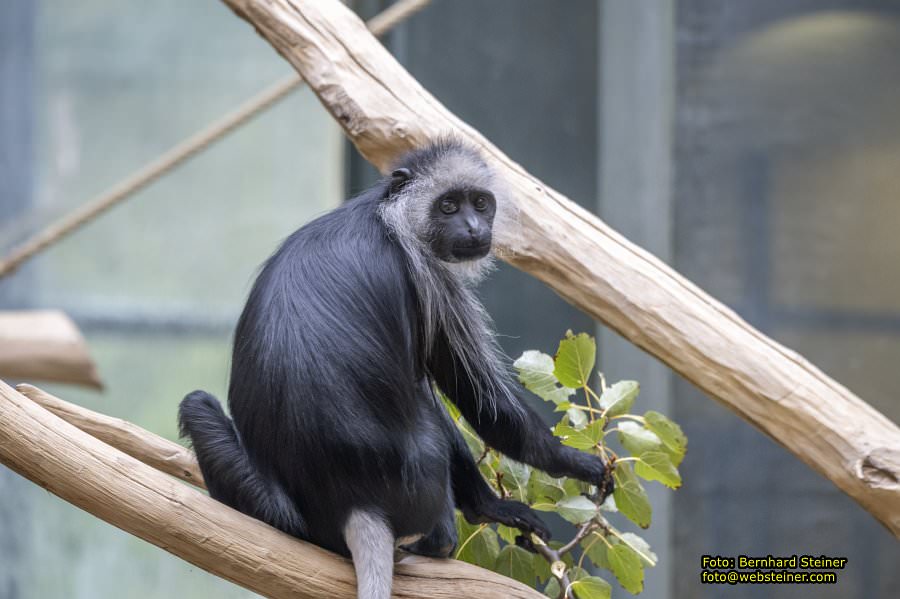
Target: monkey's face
x,y
461,224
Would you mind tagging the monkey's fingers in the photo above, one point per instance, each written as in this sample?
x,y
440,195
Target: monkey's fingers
x,y
526,543
517,515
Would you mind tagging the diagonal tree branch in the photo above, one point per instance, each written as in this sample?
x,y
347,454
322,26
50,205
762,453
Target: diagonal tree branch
x,y
151,449
146,503
385,112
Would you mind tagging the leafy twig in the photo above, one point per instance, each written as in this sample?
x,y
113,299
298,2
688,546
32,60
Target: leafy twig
x,y
583,531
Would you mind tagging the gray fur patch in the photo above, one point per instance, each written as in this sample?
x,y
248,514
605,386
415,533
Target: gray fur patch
x,y
446,289
371,544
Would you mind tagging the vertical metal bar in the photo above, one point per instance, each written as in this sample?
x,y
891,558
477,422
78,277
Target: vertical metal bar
x,y
636,95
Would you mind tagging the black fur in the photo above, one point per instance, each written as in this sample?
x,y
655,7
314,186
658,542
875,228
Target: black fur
x,y
331,397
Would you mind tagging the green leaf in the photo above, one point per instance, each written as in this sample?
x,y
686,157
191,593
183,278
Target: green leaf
x,y
673,439
586,438
577,573
536,374
508,534
552,589
477,544
595,549
641,547
474,442
592,587
577,417
575,360
451,408
564,429
637,439
627,566
573,486
544,488
656,465
485,469
619,398
516,563
541,568
515,477
576,509
631,498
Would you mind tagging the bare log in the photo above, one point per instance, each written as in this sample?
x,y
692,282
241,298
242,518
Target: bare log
x,y
45,345
151,449
385,112
146,503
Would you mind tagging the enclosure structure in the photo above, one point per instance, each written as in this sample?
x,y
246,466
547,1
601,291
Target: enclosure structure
x,y
751,475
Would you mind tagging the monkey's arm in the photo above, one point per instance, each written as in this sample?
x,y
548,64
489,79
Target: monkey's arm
x,y
476,500
513,428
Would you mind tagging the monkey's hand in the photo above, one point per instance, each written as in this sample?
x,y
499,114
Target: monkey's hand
x,y
574,463
607,483
511,513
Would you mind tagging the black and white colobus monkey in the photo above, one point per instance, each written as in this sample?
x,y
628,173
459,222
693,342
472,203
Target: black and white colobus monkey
x,y
338,437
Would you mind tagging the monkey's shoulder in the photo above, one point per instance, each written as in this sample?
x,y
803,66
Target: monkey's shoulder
x,y
341,267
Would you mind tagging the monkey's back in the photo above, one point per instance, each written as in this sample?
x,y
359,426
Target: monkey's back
x,y
328,382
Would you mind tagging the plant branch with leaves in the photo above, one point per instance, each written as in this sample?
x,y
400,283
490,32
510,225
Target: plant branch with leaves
x,y
647,447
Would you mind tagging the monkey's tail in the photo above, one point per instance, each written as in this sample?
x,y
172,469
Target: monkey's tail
x,y
371,544
230,475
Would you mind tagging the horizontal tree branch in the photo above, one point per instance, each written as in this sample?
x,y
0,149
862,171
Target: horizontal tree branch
x,y
121,490
45,345
385,112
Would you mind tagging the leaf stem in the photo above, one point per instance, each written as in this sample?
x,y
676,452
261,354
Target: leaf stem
x,y
593,393
587,398
471,536
634,417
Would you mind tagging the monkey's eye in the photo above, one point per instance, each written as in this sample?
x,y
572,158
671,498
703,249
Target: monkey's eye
x,y
449,206
481,203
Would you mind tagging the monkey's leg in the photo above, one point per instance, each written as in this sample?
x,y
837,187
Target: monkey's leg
x,y
230,475
441,541
477,500
371,543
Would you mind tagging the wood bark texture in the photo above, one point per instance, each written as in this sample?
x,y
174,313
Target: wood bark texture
x,y
45,345
151,449
121,490
385,112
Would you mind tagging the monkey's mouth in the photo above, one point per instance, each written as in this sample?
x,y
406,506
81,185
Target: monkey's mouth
x,y
471,252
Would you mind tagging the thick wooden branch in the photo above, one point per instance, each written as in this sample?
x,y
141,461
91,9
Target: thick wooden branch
x,y
151,449
45,345
385,111
138,499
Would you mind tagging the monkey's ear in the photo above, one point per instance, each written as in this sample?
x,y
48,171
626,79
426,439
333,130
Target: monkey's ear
x,y
399,178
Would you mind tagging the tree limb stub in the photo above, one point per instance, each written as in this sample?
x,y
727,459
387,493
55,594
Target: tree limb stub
x,y
385,112
45,345
146,503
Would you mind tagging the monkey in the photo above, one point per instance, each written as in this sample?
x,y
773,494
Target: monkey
x,y
336,434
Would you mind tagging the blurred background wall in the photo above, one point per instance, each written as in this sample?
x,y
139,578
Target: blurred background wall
x,y
753,145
